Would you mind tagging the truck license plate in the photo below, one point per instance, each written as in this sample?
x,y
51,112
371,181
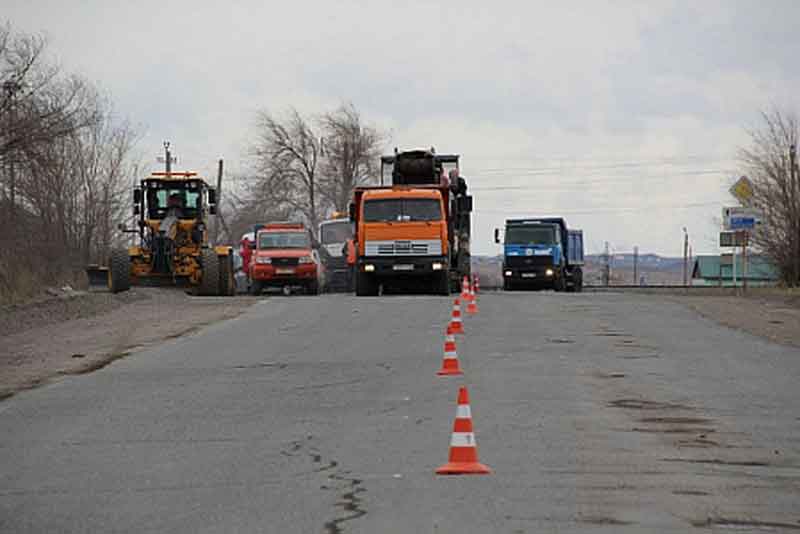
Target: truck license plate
x,y
528,275
284,270
403,267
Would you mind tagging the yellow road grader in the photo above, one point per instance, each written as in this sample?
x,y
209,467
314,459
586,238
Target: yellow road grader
x,y
171,210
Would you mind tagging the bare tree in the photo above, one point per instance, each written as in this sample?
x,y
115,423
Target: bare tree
x,y
776,190
352,152
38,104
65,170
286,159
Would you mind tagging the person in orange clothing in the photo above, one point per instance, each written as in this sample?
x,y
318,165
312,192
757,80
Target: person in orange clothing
x,y
349,251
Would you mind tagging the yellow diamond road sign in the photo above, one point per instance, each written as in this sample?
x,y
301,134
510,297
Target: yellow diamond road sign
x,y
742,190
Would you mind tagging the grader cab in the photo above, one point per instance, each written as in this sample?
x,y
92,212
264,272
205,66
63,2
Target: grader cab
x,y
171,210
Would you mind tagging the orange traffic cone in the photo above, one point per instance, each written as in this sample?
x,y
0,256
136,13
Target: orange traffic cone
x,y
465,288
456,326
472,307
463,449
477,284
450,361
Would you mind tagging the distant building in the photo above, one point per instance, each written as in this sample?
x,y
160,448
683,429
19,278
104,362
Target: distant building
x,y
716,271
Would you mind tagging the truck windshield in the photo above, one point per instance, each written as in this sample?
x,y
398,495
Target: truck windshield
x,y
282,240
337,232
530,235
402,210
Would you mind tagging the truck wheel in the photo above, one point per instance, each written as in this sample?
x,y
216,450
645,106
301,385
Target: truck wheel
x,y
441,284
559,284
578,275
227,283
209,281
255,287
119,270
365,285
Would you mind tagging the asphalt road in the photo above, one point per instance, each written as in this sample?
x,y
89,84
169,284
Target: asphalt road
x,y
596,412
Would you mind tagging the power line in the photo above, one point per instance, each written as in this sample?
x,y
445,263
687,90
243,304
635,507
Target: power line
x,y
613,180
690,205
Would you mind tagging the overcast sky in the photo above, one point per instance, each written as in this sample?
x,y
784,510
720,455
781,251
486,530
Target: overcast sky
x,y
624,117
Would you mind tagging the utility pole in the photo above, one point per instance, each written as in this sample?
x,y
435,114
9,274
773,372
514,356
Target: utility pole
x,y
685,256
219,202
635,265
690,265
11,88
795,211
606,268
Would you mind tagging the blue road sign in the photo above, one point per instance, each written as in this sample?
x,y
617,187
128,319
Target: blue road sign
x,y
742,223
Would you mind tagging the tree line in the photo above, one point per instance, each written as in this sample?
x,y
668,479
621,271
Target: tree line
x,y
65,166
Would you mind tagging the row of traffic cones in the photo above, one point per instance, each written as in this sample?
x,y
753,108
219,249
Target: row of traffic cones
x,y
463,458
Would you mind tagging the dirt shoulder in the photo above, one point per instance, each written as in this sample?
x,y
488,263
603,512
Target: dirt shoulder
x,y
774,316
79,333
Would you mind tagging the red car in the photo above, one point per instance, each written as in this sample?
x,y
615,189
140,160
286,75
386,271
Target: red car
x,y
284,257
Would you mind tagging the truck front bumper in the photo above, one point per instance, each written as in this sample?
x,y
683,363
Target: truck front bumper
x,y
269,275
539,274
403,265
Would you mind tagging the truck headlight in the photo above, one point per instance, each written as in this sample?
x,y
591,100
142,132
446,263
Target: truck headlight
x,y
508,273
437,266
306,259
368,268
263,260
549,272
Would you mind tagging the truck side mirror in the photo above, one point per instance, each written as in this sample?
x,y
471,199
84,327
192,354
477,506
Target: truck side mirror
x,y
351,209
212,196
465,204
137,195
497,235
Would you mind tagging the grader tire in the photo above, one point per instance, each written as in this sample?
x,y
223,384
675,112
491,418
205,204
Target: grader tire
x,y
227,284
119,271
209,282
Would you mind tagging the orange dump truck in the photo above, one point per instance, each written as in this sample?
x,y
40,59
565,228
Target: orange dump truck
x,y
283,256
415,232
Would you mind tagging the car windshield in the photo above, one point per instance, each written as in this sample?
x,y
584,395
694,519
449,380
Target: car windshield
x,y
268,240
530,235
181,198
337,232
402,210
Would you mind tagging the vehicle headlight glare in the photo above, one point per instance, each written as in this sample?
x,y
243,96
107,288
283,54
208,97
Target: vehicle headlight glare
x,y
509,273
368,268
549,272
437,266
306,259
263,260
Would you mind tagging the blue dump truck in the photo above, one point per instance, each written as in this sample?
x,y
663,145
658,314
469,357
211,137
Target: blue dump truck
x,y
541,253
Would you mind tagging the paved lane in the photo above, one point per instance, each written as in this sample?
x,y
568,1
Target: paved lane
x,y
599,412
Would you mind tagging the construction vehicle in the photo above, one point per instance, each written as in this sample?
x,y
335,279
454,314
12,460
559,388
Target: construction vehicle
x,y
284,256
171,210
414,231
542,253
334,236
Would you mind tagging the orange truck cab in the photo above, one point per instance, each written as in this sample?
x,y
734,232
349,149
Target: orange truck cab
x,y
283,256
415,232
